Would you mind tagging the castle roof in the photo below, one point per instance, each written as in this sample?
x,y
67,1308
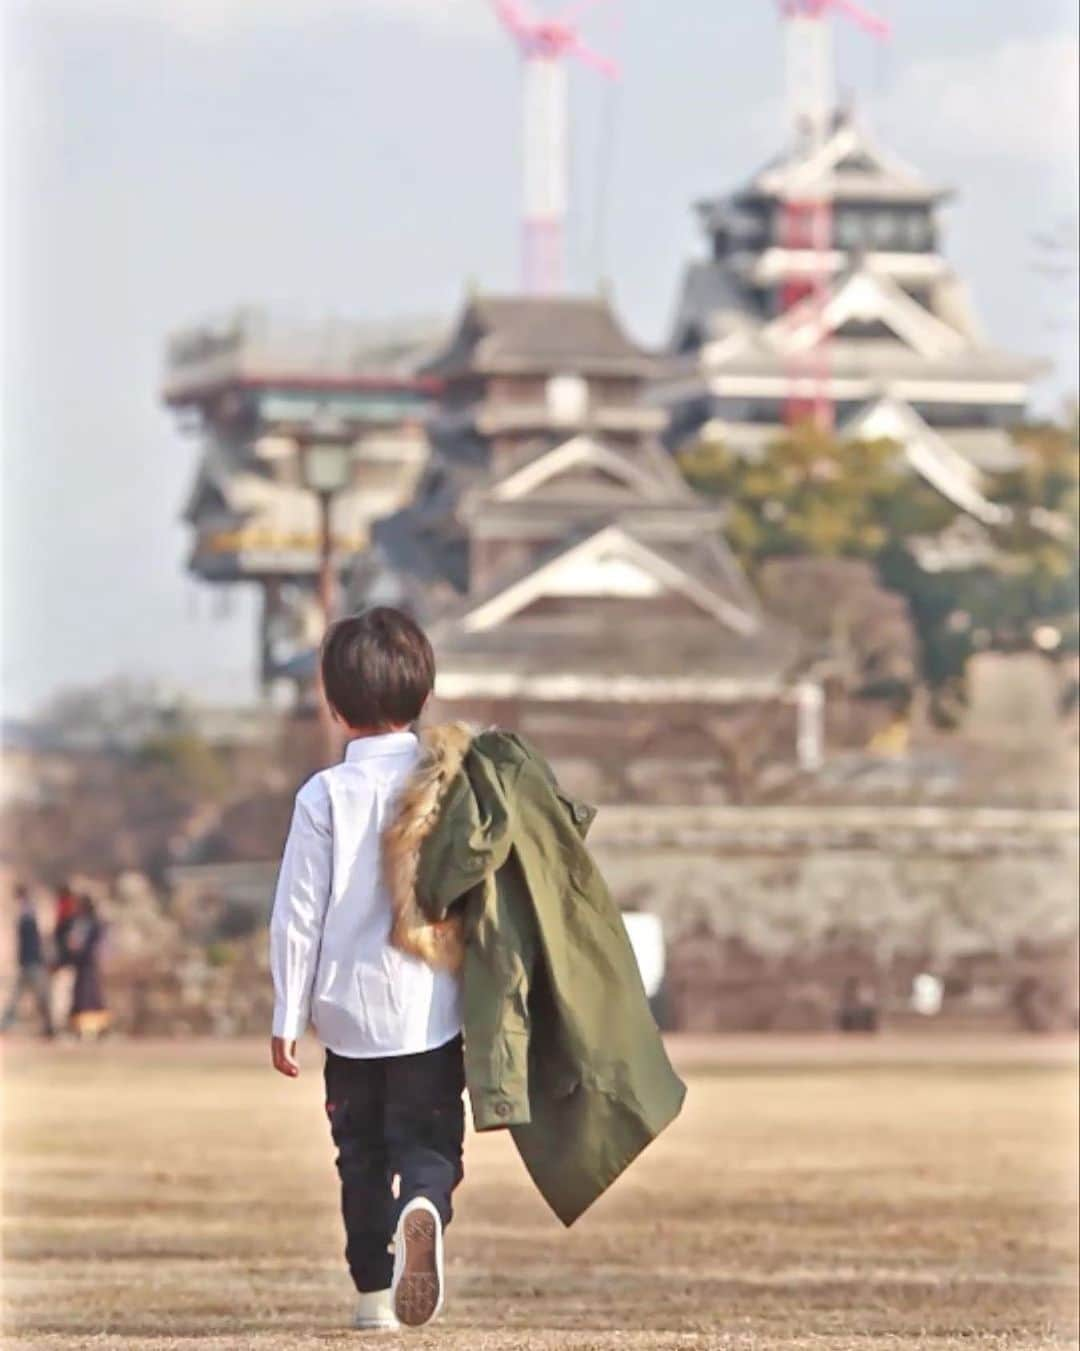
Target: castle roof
x,y
262,349
565,485
876,333
514,334
721,635
928,453
848,167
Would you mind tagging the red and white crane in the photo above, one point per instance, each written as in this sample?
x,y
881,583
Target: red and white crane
x,y
546,44
806,221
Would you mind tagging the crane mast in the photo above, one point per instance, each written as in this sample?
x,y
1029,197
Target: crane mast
x,y
806,225
546,44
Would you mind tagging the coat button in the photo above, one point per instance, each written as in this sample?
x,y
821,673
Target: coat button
x,y
502,1109
581,813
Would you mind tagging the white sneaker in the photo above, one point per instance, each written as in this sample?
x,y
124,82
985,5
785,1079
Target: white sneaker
x,y
418,1264
375,1312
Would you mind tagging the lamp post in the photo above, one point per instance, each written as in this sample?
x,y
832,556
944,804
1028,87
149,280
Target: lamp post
x,y
326,466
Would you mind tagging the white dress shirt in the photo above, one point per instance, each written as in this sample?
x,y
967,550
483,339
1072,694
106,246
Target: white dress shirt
x,y
330,950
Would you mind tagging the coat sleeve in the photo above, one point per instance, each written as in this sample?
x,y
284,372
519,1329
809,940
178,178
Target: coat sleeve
x,y
500,967
467,863
500,964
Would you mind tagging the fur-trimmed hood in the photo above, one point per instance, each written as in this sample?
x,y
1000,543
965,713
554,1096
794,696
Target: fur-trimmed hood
x,y
440,943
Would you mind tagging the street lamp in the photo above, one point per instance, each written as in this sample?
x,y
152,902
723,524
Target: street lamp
x,y
326,468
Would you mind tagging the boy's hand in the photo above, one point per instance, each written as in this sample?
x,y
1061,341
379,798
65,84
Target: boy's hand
x,y
283,1054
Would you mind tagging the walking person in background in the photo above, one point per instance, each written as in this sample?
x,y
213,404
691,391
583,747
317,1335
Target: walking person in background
x,y
89,1015
67,907
33,975
62,965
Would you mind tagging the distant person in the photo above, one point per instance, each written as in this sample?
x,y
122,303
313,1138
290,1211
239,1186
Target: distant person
x,y
858,1008
62,966
89,1014
391,857
32,976
67,908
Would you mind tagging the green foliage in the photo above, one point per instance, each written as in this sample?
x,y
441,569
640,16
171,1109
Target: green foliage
x,y
197,767
1040,581
814,495
219,954
810,493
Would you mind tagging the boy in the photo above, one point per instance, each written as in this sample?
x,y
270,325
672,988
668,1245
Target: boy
x,y
389,1022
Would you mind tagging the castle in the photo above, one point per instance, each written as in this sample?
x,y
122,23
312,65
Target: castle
x,y
512,480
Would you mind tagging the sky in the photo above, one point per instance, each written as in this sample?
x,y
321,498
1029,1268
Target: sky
x,y
166,160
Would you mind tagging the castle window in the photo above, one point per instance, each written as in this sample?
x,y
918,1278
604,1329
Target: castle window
x,y
567,399
884,227
917,233
849,230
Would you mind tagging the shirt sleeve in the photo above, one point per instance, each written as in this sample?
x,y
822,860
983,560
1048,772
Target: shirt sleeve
x,y
296,925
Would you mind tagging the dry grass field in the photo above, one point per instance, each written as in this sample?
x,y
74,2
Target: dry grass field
x,y
891,1194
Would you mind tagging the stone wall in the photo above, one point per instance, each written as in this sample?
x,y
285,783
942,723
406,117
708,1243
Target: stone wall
x,y
775,916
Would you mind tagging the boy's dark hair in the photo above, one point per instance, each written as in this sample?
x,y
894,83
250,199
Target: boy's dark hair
x,y
377,668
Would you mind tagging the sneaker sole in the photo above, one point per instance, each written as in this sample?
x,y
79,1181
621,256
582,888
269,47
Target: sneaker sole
x,y
416,1298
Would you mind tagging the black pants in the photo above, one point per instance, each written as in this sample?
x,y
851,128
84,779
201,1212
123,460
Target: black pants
x,y
400,1116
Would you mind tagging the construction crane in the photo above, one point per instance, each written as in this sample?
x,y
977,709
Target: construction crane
x,y
806,216
545,45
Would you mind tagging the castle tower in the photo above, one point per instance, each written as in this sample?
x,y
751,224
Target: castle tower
x,y
576,589
907,358
251,390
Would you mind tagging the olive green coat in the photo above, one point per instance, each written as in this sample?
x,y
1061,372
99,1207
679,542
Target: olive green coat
x,y
487,868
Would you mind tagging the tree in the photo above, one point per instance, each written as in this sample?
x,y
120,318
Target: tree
x,y
1024,594
115,715
859,633
815,496
1040,542
809,518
